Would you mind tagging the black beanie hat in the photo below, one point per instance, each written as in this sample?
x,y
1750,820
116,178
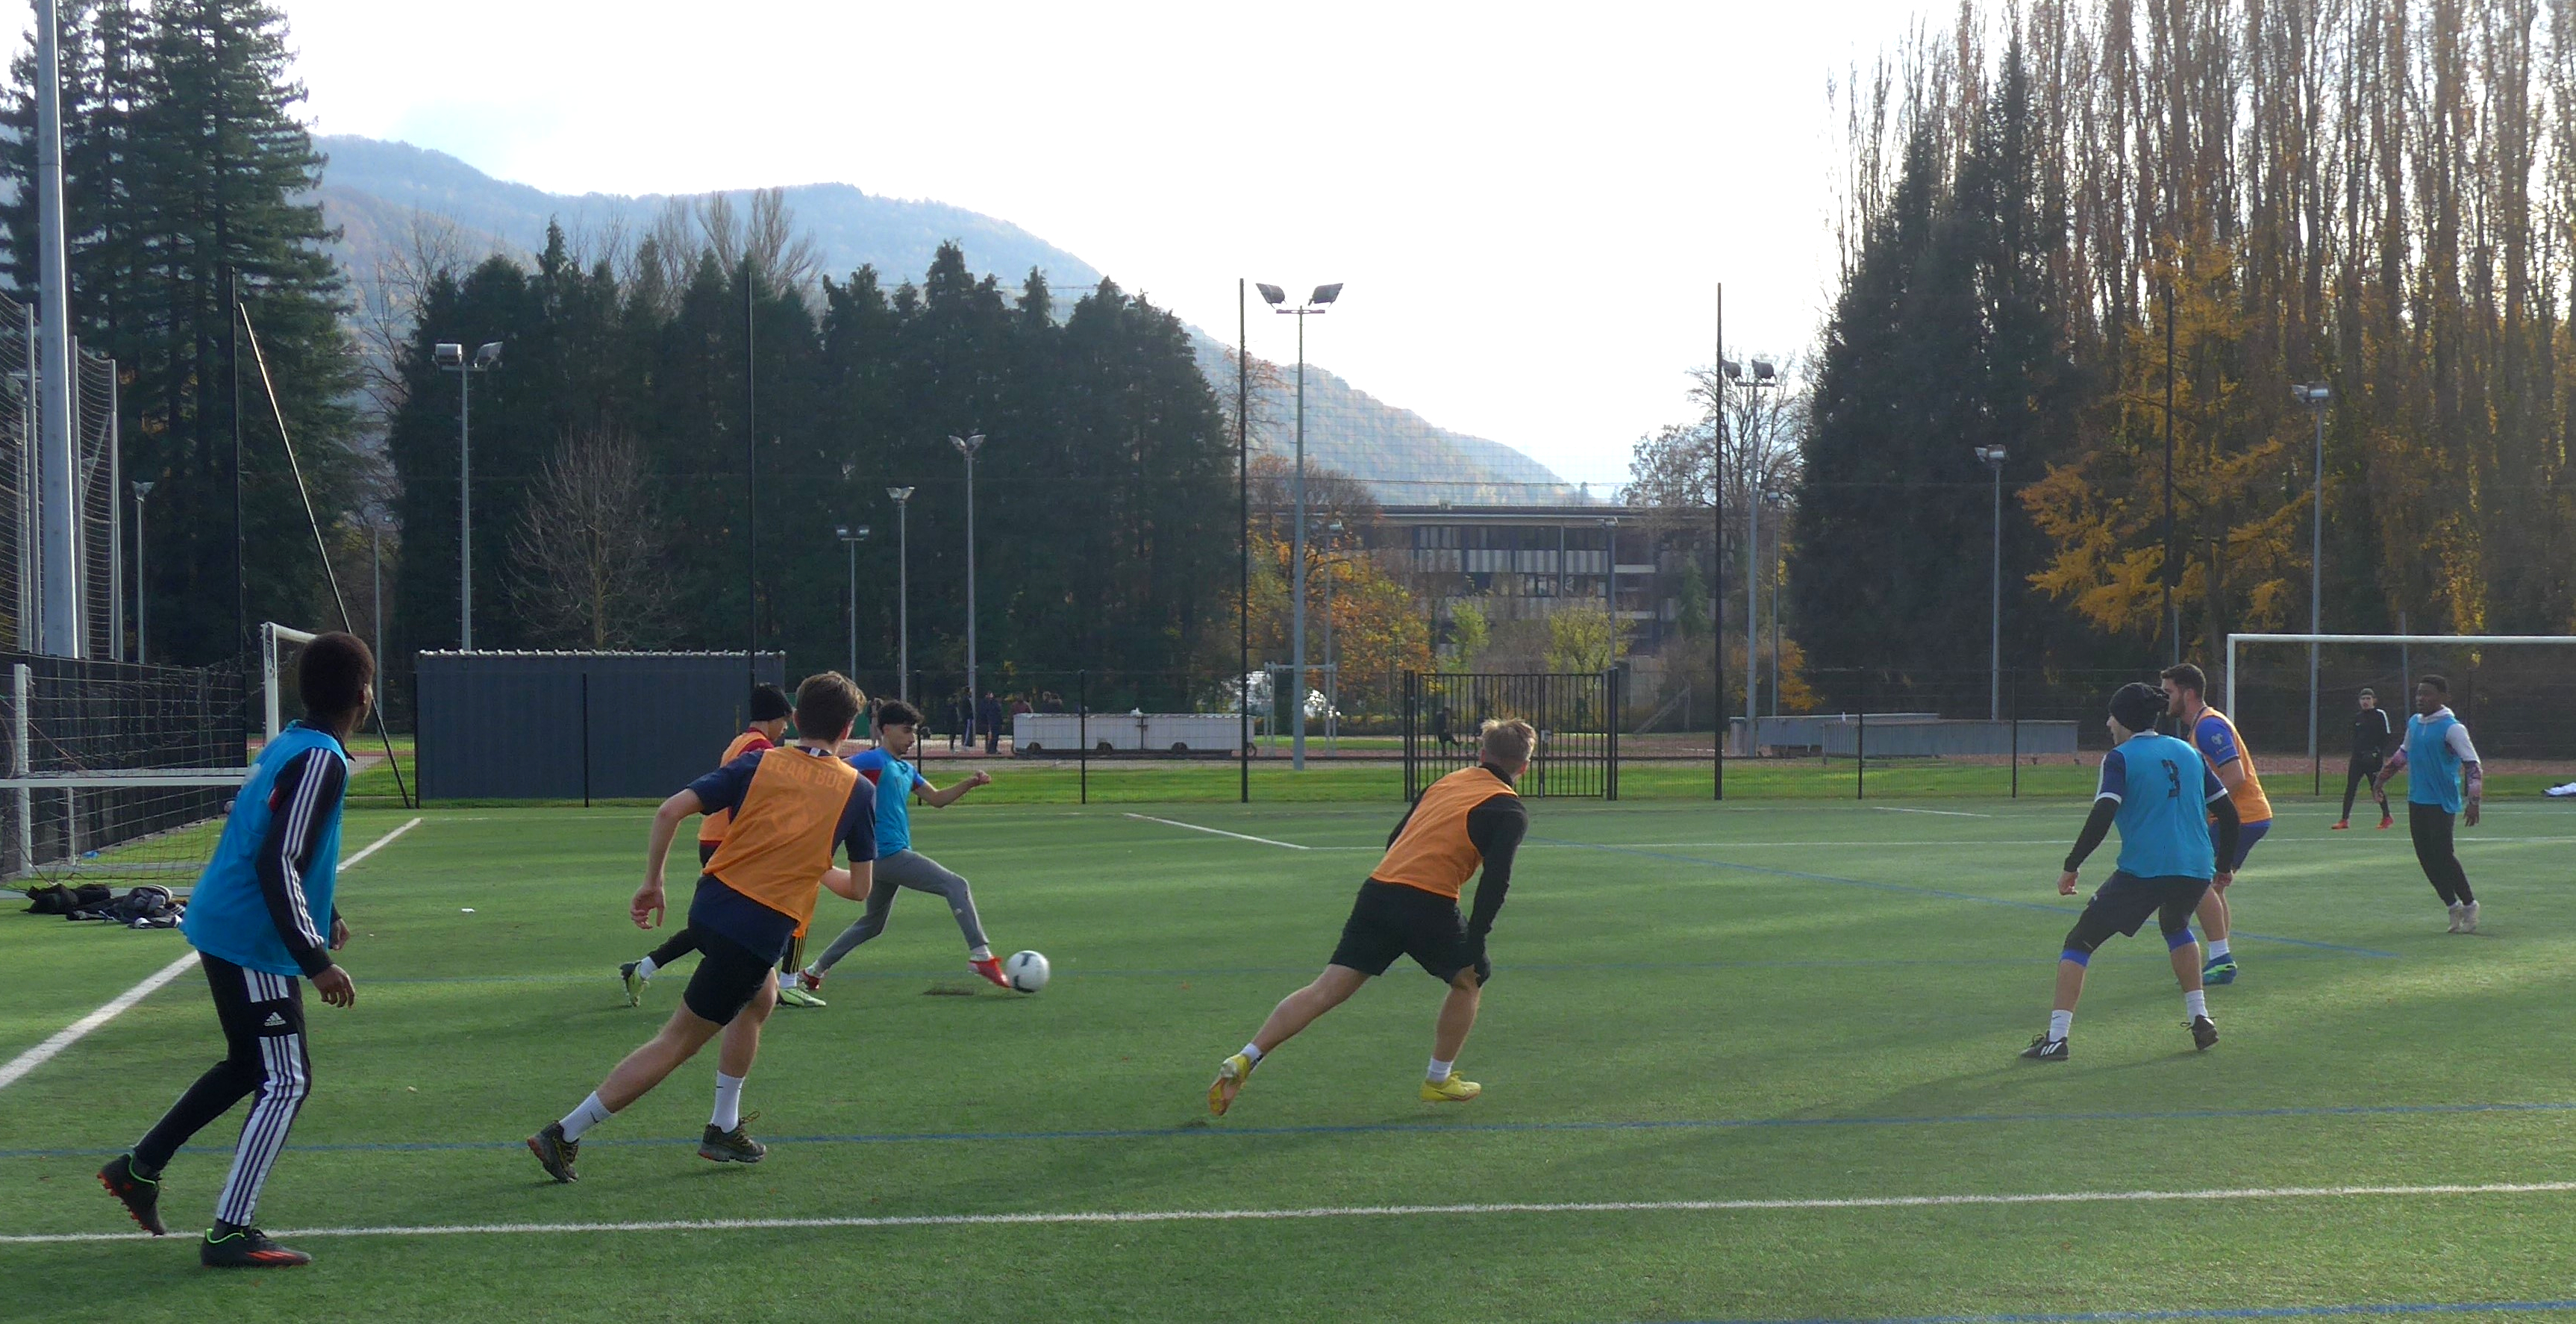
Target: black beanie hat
x,y
769,704
2137,706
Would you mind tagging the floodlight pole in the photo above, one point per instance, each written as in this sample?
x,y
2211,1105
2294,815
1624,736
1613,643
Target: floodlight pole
x,y
2315,396
967,446
1315,306
142,489
450,357
1994,461
850,537
58,600
903,592
1763,375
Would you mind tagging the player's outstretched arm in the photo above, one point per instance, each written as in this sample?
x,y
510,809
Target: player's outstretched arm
x,y
941,798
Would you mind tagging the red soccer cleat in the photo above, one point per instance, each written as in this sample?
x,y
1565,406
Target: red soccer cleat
x,y
990,968
2341,825
2385,822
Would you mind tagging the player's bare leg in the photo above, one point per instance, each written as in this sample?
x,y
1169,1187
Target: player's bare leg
x,y
1294,1013
1448,1037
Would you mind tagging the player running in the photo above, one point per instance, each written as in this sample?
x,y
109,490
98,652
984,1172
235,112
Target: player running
x,y
790,806
1409,907
2153,787
2372,734
2437,748
769,710
898,865
2216,739
251,920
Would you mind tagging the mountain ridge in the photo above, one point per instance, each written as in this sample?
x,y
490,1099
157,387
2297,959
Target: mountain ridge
x,y
377,191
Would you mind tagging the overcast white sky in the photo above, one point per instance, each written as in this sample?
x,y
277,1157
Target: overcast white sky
x,y
1530,206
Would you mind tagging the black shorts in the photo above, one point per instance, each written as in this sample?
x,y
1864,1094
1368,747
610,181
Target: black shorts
x,y
2124,901
707,851
728,977
1389,920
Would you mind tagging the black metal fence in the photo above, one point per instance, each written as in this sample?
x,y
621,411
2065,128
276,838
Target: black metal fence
x,y
1577,717
578,726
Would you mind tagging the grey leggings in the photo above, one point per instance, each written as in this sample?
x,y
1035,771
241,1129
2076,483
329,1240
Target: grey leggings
x,y
906,868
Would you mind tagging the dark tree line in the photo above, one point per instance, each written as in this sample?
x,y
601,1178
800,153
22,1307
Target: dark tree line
x,y
185,169
2105,219
1103,492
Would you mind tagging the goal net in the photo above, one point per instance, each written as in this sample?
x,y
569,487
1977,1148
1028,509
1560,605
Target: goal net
x,y
2516,693
118,773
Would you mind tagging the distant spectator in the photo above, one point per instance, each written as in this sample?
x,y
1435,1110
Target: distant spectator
x,y
956,719
1050,702
988,717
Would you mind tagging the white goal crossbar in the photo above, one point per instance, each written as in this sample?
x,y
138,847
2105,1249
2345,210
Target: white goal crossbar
x,y
2435,640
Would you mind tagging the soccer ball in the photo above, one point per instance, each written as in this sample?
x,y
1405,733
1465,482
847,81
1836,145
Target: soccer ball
x,y
1027,971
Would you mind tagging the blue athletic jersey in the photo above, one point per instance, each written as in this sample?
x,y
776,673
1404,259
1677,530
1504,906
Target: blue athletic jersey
x,y
228,914
2432,766
895,781
2164,833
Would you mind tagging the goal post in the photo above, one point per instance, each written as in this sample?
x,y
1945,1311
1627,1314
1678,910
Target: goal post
x,y
274,662
2520,710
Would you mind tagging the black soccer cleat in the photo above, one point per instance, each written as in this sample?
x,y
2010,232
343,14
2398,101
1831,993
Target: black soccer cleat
x,y
229,1247
2204,1032
555,1153
140,1195
734,1146
2044,1049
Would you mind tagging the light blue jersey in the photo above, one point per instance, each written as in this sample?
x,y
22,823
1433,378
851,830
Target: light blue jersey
x,y
2436,746
230,914
2164,789
895,781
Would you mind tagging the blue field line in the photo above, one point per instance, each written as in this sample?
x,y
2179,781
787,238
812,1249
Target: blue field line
x,y
1190,1132
2240,1312
1857,963
1928,891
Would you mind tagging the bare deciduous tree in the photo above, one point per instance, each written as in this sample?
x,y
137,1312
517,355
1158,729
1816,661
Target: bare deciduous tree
x,y
586,561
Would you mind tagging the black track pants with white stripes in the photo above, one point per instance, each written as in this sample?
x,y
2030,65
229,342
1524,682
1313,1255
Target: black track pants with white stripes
x,y
263,1020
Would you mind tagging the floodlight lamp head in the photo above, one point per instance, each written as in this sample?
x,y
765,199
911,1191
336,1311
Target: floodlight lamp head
x,y
1272,294
841,531
1325,294
488,354
900,493
142,488
967,445
1732,370
1763,371
860,533
448,354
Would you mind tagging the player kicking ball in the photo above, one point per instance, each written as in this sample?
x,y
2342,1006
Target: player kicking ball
x,y
2153,787
1409,907
898,865
790,808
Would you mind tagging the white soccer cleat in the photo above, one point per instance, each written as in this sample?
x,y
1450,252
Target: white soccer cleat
x,y
2456,911
2469,918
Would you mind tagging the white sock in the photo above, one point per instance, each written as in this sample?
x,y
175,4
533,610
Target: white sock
x,y
2218,949
1252,1054
980,952
591,1113
2059,1022
728,1103
2195,1004
644,969
1439,1072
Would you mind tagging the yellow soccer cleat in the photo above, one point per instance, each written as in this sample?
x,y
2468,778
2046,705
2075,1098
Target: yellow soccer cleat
x,y
1456,1089
1230,1075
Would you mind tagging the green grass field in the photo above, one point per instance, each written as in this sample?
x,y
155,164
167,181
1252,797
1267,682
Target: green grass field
x,y
1798,1002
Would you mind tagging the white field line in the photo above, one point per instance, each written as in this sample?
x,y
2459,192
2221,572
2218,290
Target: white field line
x,y
78,1030
1221,832
1373,1211
1945,813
